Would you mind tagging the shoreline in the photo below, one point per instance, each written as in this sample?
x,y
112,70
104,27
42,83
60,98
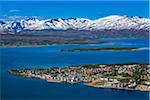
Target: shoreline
x,y
104,87
116,76
29,46
96,86
53,81
52,45
117,88
1,47
101,49
100,86
97,42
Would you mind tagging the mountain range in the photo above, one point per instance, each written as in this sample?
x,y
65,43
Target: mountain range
x,y
114,22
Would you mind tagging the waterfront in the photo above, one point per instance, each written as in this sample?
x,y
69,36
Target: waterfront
x,y
49,56
118,76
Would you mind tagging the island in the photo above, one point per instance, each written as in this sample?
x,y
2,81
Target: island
x,y
99,49
130,76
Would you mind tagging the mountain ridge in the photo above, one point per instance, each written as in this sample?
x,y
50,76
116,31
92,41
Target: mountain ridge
x,y
113,22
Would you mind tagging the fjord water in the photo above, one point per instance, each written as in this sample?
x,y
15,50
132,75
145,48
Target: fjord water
x,y
18,88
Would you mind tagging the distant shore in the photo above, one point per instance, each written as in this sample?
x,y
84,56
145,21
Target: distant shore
x,y
99,49
21,46
55,44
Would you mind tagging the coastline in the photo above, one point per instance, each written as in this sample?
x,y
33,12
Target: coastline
x,y
100,49
118,88
99,76
96,86
22,46
68,44
100,86
53,81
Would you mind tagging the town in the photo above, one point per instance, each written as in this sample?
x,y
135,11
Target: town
x,y
117,76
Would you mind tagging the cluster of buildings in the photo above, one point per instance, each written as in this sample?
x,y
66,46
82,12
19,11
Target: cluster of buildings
x,y
90,73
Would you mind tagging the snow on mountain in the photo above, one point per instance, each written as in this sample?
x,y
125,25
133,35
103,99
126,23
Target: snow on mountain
x,y
110,22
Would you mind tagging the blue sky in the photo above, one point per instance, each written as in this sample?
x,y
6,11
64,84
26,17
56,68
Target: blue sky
x,y
69,9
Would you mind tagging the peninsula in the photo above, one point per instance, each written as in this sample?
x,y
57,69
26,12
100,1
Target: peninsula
x,y
118,76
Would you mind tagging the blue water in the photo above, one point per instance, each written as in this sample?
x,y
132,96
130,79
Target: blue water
x,y
18,88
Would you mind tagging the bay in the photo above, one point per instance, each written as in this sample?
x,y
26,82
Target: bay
x,y
18,88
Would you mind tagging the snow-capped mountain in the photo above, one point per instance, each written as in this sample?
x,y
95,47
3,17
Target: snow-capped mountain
x,y
114,22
